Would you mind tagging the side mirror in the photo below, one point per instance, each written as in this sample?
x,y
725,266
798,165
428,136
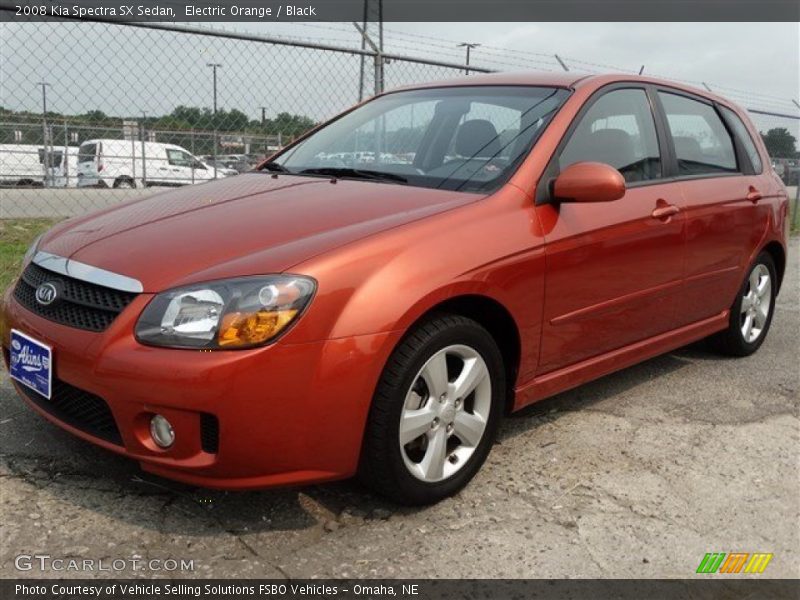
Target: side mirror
x,y
589,182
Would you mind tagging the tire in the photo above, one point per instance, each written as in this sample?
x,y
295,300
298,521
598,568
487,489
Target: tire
x,y
749,309
408,473
124,183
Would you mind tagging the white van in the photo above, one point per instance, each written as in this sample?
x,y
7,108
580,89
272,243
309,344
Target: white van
x,y
24,165
119,164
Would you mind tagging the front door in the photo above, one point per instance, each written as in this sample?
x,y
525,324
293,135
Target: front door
x,y
614,269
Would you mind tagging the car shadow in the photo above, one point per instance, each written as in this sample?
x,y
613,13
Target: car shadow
x,y
599,390
94,479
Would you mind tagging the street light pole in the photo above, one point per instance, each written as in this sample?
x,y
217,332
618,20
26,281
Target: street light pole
x,y
469,46
47,149
214,67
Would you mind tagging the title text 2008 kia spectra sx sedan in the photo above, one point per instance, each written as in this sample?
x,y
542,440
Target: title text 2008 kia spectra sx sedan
x,y
377,295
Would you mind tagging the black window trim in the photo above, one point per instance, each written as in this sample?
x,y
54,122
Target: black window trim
x,y
666,146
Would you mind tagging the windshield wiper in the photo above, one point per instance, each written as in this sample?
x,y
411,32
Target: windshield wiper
x,y
355,174
274,167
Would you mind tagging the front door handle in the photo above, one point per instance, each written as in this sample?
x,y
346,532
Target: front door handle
x,y
753,195
665,211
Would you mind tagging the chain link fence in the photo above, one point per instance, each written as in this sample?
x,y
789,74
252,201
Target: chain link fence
x,y
92,114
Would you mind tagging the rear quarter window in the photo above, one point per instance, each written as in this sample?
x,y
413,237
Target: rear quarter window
x,y
741,131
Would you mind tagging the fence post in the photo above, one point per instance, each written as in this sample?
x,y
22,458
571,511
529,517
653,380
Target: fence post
x,y
66,154
796,213
133,159
144,158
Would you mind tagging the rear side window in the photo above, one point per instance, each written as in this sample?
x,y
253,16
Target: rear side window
x,y
702,143
87,153
618,130
744,136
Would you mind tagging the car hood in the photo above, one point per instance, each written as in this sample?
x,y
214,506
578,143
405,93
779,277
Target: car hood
x,y
246,225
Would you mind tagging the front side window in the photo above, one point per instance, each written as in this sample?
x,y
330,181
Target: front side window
x,y
459,138
744,135
702,144
179,158
618,130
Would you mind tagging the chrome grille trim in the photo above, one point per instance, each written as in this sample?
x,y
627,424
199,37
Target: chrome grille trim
x,y
78,270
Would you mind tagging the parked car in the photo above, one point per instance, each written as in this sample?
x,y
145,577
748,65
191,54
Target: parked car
x,y
224,167
119,164
305,323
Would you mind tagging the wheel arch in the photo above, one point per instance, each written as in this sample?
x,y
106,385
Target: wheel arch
x,y
778,254
124,178
495,318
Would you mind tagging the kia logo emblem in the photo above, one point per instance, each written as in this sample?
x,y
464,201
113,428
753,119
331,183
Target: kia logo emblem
x,y
46,294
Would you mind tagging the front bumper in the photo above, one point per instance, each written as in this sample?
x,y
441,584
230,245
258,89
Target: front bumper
x,y
287,413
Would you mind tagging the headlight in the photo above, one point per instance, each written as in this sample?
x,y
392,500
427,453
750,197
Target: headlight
x,y
232,313
31,250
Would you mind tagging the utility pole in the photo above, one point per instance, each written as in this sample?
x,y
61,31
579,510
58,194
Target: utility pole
x,y
46,155
264,128
469,46
214,67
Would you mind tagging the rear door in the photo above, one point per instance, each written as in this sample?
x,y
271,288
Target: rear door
x,y
87,162
720,195
614,269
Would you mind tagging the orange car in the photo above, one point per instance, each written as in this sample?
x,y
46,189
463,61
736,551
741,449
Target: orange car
x,y
377,295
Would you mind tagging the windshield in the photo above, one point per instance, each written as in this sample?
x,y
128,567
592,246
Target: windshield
x,y
458,138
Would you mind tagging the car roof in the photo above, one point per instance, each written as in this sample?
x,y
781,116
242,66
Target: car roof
x,y
568,79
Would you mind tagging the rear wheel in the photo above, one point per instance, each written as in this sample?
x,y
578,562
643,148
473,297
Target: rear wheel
x,y
751,313
124,183
435,412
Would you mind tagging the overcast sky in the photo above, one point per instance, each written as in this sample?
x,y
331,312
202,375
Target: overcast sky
x,y
758,56
124,71
763,57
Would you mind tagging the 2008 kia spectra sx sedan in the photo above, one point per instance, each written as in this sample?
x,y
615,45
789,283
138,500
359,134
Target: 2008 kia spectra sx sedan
x,y
377,295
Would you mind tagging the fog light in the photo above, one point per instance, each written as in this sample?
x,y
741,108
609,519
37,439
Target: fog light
x,y
161,431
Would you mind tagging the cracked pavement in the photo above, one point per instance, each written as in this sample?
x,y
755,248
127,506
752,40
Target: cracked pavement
x,y
638,474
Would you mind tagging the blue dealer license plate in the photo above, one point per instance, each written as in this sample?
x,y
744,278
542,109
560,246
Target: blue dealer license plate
x,y
31,363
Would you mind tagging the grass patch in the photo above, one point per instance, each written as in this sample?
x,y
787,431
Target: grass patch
x,y
15,237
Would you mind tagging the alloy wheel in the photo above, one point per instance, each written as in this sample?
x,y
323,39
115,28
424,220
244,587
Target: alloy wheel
x,y
756,303
445,413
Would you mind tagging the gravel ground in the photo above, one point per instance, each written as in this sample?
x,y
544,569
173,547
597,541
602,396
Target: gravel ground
x,y
635,475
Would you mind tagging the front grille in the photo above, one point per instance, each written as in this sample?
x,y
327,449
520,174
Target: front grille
x,y
209,433
79,408
81,304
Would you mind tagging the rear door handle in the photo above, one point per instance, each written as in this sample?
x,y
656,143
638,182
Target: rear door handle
x,y
753,195
664,212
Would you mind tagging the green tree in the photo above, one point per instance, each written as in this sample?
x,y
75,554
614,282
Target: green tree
x,y
780,143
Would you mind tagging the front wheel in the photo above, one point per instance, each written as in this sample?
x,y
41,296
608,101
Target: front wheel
x,y
435,412
751,313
